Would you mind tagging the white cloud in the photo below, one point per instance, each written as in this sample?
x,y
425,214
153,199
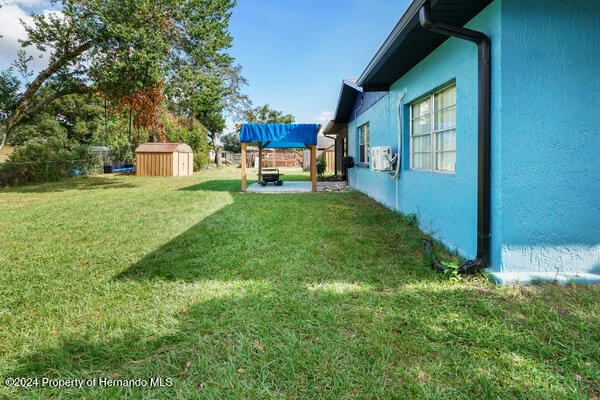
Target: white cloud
x,y
12,30
323,118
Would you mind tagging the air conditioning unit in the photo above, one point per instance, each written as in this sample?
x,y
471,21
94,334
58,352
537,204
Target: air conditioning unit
x,y
380,158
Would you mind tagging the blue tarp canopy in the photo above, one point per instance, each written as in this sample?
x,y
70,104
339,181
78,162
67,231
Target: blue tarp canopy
x,y
280,136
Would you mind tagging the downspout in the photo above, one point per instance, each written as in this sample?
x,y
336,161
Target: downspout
x,y
483,123
362,101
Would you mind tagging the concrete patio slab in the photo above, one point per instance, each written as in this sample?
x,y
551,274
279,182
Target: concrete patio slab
x,y
297,187
287,187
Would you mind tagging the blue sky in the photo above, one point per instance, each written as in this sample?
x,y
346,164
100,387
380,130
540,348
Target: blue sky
x,y
296,53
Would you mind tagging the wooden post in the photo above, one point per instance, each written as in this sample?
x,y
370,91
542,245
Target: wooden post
x,y
260,161
313,167
244,181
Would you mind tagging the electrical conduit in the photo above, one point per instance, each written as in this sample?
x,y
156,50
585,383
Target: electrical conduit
x,y
398,158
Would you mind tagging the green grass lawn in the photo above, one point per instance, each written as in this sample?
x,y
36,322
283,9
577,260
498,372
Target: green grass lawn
x,y
230,295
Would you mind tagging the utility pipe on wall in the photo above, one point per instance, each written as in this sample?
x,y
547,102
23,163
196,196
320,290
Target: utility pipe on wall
x,y
398,157
483,122
396,174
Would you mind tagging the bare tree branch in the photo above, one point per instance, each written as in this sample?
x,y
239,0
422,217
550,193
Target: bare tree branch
x,y
22,107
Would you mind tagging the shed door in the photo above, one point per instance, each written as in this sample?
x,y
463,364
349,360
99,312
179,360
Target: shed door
x,y
182,164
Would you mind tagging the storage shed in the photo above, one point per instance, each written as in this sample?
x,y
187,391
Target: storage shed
x,y
164,159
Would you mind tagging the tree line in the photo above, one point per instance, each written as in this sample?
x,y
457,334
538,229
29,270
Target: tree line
x,y
121,73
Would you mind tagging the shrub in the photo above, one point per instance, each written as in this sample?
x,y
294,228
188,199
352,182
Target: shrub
x,y
410,219
192,133
45,128
321,166
45,160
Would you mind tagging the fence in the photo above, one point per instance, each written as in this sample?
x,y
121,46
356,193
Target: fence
x,y
282,159
327,155
45,171
235,158
278,158
329,158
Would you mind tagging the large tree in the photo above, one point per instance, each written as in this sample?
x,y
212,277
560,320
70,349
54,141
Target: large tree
x,y
119,49
205,103
267,115
210,95
9,94
81,116
264,115
257,115
231,142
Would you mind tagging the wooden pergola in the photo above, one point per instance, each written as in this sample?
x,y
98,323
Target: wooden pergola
x,y
280,136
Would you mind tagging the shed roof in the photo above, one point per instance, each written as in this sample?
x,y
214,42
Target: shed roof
x,y
164,148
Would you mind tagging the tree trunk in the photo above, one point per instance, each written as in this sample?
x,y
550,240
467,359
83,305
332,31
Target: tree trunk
x,y
218,160
4,136
216,149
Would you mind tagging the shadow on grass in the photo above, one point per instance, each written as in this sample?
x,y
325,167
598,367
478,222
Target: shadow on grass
x,y
269,340
320,296
77,183
299,237
218,185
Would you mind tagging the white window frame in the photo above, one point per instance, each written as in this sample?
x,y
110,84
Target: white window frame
x,y
433,133
367,149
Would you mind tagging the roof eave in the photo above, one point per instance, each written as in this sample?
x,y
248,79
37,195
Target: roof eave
x,y
391,43
335,129
348,88
409,43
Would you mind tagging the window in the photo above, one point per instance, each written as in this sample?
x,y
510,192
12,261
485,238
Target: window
x,y
363,143
433,131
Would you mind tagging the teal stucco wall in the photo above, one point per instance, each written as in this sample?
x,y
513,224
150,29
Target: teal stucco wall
x,y
445,204
550,143
545,139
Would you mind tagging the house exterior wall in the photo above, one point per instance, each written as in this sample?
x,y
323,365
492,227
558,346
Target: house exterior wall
x,y
545,139
445,204
550,144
